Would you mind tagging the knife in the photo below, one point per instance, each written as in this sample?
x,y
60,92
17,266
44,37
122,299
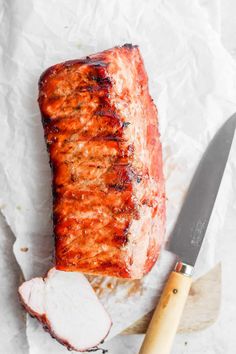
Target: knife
x,y
186,240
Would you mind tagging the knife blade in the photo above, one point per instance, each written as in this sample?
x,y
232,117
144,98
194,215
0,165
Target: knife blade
x,y
186,240
189,231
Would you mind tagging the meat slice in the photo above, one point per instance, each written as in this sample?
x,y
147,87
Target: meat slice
x,y
68,308
101,130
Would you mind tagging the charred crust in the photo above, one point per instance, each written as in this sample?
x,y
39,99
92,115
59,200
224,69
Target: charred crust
x,y
108,137
55,218
45,120
70,347
122,240
139,179
87,60
46,73
72,62
102,81
52,70
117,187
107,113
54,195
90,88
125,124
130,46
99,64
95,349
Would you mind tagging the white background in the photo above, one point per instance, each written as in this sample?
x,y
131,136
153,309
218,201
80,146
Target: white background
x,y
220,338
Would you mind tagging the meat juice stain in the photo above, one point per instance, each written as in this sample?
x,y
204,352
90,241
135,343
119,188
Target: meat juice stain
x,y
135,288
97,284
24,249
101,286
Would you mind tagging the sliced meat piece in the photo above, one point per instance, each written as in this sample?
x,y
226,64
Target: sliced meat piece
x,y
68,308
101,130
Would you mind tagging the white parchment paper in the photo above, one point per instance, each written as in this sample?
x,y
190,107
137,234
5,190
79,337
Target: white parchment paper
x,y
192,80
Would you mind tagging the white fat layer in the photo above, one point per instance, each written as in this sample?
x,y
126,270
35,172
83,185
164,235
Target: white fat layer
x,y
32,294
72,308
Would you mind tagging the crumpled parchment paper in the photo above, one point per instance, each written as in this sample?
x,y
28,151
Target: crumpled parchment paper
x,y
192,80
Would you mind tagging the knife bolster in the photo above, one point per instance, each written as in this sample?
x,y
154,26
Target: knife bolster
x,y
184,268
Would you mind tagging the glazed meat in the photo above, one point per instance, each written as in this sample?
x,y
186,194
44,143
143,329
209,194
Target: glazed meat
x,y
102,135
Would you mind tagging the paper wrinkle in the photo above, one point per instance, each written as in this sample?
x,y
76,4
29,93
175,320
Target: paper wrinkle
x,y
192,80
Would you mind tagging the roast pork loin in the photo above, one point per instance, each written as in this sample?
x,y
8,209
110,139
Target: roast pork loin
x,y
68,308
101,130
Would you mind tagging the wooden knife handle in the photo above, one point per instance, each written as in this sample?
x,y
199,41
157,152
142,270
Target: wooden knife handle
x,y
166,318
